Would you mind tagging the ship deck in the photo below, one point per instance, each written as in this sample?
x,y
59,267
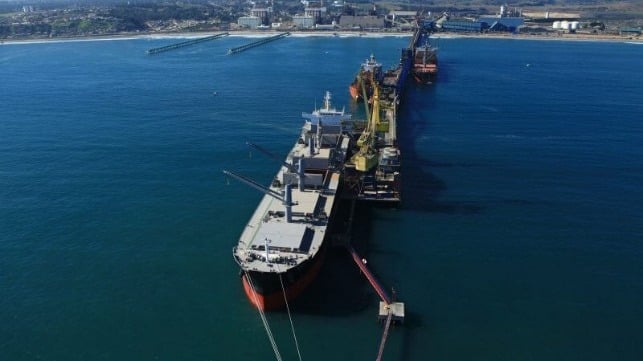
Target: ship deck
x,y
290,243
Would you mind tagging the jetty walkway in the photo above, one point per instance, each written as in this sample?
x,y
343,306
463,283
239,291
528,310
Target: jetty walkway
x,y
259,42
185,43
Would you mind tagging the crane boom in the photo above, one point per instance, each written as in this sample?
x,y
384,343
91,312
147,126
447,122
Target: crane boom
x,y
290,167
258,187
366,158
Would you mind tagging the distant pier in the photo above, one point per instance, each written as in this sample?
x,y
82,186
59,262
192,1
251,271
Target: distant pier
x,y
259,42
185,43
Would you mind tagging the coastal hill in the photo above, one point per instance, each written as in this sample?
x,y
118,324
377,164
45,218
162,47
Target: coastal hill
x,y
65,18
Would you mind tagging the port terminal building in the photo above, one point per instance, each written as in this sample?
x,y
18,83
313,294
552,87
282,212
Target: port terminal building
x,y
361,22
507,24
303,21
403,20
251,22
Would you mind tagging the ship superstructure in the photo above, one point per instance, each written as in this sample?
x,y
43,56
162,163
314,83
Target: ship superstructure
x,y
282,246
370,71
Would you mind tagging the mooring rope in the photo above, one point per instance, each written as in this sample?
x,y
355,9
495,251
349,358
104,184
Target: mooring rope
x,y
292,325
263,319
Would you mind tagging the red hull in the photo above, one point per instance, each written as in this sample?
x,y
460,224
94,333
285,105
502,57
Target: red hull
x,y
354,92
276,300
424,74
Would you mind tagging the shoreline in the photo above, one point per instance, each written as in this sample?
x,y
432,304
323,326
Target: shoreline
x,y
339,34
552,37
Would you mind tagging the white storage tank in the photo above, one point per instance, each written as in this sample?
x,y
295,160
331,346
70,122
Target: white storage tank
x,y
556,25
564,25
573,25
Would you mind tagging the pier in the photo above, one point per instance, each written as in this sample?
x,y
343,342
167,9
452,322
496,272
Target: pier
x,y
185,43
379,182
389,310
361,263
259,42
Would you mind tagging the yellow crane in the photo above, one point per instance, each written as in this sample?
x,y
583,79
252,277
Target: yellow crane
x,y
366,158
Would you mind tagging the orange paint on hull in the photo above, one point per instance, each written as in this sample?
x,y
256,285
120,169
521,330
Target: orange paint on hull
x,y
354,92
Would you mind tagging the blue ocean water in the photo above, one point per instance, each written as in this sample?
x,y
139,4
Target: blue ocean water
x,y
519,238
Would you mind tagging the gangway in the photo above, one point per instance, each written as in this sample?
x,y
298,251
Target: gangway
x,y
185,43
259,42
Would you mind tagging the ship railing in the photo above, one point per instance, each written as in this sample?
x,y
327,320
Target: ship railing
x,y
235,257
276,248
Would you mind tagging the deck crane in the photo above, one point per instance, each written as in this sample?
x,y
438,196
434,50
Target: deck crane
x,y
285,197
366,158
298,170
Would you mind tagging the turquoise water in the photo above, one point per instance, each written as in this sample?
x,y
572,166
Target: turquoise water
x,y
520,235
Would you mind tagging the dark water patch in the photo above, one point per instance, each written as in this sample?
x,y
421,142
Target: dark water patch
x,y
421,186
437,164
339,290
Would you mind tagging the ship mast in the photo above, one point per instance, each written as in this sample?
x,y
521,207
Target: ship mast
x,y
267,251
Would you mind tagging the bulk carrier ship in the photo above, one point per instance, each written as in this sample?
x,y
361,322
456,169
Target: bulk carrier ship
x,y
282,246
425,59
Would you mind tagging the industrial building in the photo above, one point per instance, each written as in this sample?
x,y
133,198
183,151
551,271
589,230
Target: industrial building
x,y
303,21
361,22
251,22
507,24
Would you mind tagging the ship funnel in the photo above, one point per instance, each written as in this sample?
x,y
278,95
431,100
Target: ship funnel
x,y
288,202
